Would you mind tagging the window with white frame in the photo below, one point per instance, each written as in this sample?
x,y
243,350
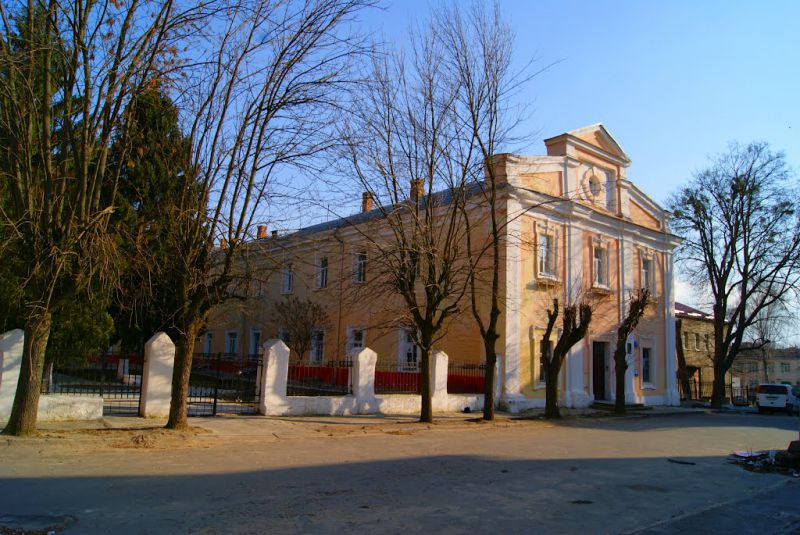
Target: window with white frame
x,y
287,284
547,254
648,275
545,352
318,345
409,351
255,341
283,336
232,342
322,272
753,367
647,366
356,339
697,341
600,264
209,341
360,267
785,367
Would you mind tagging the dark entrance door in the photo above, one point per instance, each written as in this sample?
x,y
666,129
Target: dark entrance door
x,y
599,370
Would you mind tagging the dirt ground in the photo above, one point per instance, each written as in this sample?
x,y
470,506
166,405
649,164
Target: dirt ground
x,y
657,474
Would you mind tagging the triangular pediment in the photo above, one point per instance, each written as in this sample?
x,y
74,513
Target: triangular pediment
x,y
598,136
594,138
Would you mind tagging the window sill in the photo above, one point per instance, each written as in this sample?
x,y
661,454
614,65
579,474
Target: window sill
x,y
648,386
601,289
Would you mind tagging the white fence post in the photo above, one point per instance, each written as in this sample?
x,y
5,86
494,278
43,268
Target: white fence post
x,y
11,344
275,372
364,381
440,362
156,393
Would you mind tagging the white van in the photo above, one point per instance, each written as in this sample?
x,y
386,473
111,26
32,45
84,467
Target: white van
x,y
776,396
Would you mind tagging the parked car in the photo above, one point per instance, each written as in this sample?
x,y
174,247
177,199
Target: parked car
x,y
770,397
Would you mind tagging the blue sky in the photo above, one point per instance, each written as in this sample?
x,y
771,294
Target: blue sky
x,y
673,82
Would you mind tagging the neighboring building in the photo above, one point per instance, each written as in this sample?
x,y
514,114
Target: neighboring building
x,y
767,365
575,227
697,337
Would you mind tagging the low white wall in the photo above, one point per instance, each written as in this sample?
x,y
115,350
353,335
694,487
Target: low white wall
x,y
275,402
10,361
64,407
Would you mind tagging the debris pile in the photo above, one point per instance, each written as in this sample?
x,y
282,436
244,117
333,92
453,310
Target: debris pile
x,y
772,461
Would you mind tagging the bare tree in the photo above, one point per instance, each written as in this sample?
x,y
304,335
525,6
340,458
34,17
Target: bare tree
x,y
637,305
260,98
767,332
575,324
68,69
478,46
741,227
410,149
301,319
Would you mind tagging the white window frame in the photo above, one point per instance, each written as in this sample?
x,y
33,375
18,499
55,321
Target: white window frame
x,y
317,353
283,336
647,343
209,341
228,338
406,344
648,282
253,344
287,281
697,341
605,268
542,269
360,259
538,379
786,367
322,272
352,349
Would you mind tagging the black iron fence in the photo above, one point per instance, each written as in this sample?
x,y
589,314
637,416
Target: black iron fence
x,y
223,383
309,378
115,377
701,391
465,377
393,378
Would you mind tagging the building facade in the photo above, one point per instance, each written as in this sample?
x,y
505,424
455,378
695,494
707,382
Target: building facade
x,y
575,228
767,365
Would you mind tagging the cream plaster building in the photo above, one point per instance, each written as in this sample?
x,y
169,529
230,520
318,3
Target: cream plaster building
x,y
576,228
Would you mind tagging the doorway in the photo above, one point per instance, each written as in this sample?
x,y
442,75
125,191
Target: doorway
x,y
599,370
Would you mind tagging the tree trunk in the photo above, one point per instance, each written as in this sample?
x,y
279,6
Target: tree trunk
x,y
22,421
718,389
551,393
184,349
683,374
488,382
426,410
620,367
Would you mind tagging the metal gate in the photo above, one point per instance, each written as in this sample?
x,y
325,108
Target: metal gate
x,y
117,378
222,383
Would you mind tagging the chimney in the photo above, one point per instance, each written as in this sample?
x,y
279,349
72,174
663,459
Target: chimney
x,y
274,233
223,244
417,189
366,201
262,232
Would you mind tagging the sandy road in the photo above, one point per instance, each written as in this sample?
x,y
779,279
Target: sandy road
x,y
326,475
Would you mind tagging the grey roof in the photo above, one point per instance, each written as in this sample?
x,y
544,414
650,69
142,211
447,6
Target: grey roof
x,y
439,198
685,311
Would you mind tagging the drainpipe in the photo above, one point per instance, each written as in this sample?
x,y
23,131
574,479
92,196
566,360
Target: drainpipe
x,y
339,304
